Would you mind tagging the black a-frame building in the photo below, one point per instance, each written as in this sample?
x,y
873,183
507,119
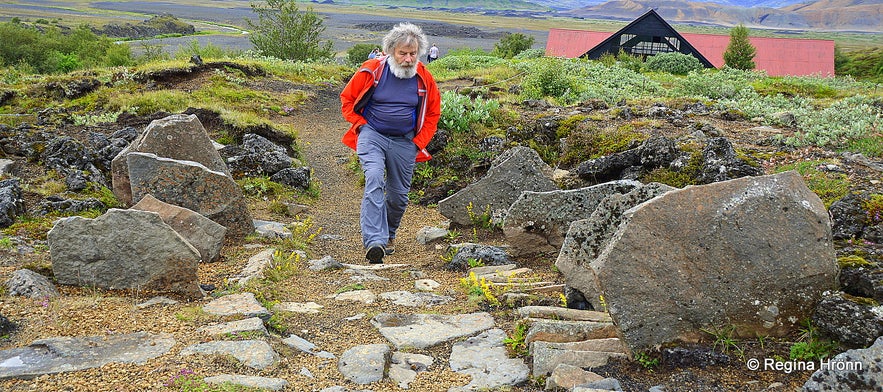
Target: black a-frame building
x,y
646,36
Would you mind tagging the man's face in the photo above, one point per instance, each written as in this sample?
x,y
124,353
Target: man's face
x,y
405,55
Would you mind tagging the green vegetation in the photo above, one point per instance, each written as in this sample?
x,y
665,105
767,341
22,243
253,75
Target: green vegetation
x,y
51,52
646,360
511,45
740,53
516,342
864,64
285,32
809,346
828,185
358,53
675,63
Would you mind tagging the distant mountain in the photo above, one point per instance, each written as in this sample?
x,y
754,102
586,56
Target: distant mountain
x,y
828,15
573,4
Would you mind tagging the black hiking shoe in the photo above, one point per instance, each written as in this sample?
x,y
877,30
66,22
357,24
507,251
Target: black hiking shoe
x,y
375,254
390,247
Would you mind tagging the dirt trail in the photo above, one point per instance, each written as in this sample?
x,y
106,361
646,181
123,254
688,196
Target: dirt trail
x,y
320,127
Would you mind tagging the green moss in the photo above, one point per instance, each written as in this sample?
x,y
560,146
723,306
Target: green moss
x,y
861,300
829,186
853,261
874,209
568,124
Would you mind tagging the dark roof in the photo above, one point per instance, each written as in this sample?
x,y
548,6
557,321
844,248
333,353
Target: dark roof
x,y
649,24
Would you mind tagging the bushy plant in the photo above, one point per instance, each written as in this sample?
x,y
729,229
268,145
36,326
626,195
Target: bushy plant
x,y
715,84
512,44
49,51
459,112
530,54
740,53
358,53
547,78
673,62
285,32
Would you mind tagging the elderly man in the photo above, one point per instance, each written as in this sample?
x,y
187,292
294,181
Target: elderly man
x,y
394,105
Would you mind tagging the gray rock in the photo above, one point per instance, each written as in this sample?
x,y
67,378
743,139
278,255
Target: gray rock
x,y
27,283
204,234
419,331
848,216
191,185
324,263
364,364
701,256
720,163
415,300
68,206
485,359
538,221
179,137
486,254
404,367
68,156
607,384
558,313
514,171
68,354
568,376
250,327
588,237
563,331
255,267
304,345
237,304
256,156
11,202
853,370
428,235
295,177
256,354
547,356
608,167
850,323
271,230
99,252
270,383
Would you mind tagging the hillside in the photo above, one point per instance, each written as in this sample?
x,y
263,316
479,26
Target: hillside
x,y
825,15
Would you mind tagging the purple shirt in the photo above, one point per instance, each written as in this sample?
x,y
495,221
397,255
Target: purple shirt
x,y
392,109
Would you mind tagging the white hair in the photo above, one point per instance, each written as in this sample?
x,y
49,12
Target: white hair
x,y
405,33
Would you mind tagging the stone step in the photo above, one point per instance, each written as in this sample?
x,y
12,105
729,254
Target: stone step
x,y
559,313
567,331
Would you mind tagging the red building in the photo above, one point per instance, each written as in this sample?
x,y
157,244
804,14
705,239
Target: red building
x,y
650,34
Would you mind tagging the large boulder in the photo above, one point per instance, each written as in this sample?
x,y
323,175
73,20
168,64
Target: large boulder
x,y
538,221
853,370
753,253
191,185
204,234
123,249
178,136
516,170
586,238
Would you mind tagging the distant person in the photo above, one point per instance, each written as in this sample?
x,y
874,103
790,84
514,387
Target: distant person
x,y
433,54
374,53
394,106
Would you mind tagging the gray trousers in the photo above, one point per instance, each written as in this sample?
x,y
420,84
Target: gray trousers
x,y
388,164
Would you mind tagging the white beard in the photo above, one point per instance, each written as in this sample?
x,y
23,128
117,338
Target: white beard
x,y
401,72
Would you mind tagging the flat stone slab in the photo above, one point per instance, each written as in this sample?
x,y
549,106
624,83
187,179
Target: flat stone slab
x,y
484,357
68,354
562,331
553,312
256,354
270,383
426,330
364,364
235,304
250,326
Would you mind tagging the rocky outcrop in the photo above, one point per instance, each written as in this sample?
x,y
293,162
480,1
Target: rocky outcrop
x,y
99,252
714,255
179,137
191,185
588,237
516,170
204,234
538,221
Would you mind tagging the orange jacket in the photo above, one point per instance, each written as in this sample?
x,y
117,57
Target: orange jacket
x,y
355,96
